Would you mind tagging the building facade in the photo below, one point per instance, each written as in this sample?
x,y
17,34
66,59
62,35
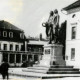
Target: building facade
x,y
35,48
12,44
15,48
73,34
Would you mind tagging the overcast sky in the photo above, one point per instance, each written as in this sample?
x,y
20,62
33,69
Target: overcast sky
x,y
29,14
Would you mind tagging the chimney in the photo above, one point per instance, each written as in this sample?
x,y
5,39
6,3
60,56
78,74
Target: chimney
x,y
40,36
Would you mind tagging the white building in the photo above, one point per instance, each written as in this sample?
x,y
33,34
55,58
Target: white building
x,y
73,34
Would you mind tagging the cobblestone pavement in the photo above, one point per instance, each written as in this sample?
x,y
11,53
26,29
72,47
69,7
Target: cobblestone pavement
x,y
27,78
19,78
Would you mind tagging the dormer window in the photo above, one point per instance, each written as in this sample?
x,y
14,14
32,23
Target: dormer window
x,y
11,34
4,34
73,15
22,35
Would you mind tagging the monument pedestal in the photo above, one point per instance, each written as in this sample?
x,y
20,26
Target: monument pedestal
x,y
52,59
52,55
51,63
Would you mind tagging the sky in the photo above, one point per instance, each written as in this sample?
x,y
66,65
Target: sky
x,y
29,15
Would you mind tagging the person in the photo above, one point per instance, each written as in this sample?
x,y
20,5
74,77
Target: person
x,y
4,69
56,25
49,27
52,27
30,62
25,64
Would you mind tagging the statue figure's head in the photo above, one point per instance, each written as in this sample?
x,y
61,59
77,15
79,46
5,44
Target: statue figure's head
x,y
51,13
56,11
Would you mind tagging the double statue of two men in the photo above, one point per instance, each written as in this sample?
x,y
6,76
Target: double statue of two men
x,y
52,27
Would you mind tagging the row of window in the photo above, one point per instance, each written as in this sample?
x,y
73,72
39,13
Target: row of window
x,y
11,34
11,58
5,34
35,49
11,47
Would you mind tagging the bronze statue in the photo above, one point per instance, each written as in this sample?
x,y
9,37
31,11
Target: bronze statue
x,y
52,27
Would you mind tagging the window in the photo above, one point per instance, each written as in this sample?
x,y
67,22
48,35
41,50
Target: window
x,y
22,35
73,32
18,58
47,51
5,56
29,48
24,57
35,57
5,47
22,47
0,33
40,49
11,34
73,54
0,46
12,58
11,47
17,47
73,15
4,34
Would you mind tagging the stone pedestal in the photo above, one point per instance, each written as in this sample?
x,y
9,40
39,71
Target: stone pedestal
x,y
52,63
52,55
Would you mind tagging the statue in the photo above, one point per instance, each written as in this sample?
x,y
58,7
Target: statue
x,y
52,27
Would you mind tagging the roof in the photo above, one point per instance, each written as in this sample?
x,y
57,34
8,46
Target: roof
x,y
73,5
36,39
37,42
7,25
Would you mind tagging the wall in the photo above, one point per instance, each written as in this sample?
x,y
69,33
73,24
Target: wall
x,y
73,43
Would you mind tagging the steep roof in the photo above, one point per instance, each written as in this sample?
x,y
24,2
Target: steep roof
x,y
7,25
73,5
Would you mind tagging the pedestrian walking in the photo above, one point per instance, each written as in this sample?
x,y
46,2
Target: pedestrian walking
x,y
4,70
